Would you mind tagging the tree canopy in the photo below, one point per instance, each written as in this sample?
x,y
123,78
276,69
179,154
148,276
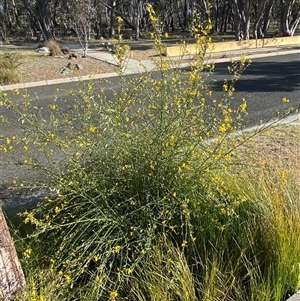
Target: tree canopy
x,y
52,19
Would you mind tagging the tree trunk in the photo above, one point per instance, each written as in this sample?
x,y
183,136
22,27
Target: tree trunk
x,y
11,274
290,17
241,13
139,11
112,19
186,13
261,24
39,16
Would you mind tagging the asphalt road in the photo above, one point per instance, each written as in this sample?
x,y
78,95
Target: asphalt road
x,y
263,85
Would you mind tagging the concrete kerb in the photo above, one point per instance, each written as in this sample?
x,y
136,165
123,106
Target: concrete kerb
x,y
295,297
234,45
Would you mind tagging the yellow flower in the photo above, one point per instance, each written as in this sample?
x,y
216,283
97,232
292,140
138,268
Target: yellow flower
x,y
27,253
52,107
92,129
222,128
283,176
243,58
113,294
243,105
116,249
148,8
119,19
285,100
67,278
170,260
98,279
96,258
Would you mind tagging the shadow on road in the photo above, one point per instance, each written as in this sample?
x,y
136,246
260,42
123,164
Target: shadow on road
x,y
267,77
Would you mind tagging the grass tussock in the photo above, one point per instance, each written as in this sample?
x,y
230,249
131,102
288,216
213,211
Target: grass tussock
x,y
9,62
53,47
150,201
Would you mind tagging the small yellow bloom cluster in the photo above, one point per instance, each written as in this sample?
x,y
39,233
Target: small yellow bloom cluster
x,y
27,253
29,218
113,295
35,296
285,100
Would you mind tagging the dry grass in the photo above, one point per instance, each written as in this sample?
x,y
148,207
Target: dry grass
x,y
279,146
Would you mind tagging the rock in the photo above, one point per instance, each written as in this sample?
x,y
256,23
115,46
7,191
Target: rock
x,y
65,50
78,66
75,55
65,70
71,66
44,50
54,53
74,66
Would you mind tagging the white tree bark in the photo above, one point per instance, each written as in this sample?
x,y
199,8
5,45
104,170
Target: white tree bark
x,y
290,18
242,15
11,274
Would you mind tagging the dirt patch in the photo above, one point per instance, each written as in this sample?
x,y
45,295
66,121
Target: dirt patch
x,y
48,67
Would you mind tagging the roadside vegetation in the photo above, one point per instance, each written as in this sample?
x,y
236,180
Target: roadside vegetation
x,y
154,198
9,62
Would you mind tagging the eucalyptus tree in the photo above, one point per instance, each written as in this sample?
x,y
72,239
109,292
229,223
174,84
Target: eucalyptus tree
x,y
262,13
79,16
290,16
221,15
241,16
39,15
9,18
